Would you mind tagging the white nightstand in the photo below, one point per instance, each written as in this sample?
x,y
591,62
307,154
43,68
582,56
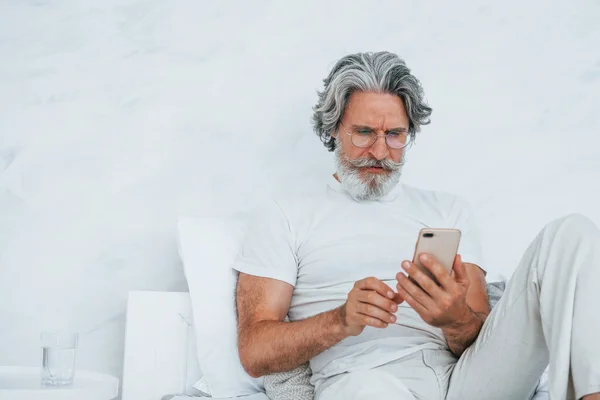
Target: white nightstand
x,y
23,383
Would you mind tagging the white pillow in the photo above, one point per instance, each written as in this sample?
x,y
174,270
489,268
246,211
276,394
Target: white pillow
x,y
208,248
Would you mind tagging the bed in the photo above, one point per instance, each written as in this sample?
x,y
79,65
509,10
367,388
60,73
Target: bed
x,y
159,357
159,361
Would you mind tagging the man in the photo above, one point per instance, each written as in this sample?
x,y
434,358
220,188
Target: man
x,y
330,260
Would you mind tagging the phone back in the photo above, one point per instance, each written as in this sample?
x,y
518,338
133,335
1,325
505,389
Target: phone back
x,y
440,243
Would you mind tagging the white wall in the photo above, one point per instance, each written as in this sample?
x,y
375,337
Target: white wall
x,y
118,116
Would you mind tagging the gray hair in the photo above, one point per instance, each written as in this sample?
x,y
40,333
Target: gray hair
x,y
380,72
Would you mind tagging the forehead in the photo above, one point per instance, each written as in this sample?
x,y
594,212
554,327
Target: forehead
x,y
375,109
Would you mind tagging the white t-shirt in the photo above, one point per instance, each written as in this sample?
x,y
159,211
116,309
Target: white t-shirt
x,y
323,242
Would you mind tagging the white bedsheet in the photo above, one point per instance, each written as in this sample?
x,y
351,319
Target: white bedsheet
x,y
257,396
542,393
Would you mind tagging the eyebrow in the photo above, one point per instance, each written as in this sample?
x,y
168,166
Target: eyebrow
x,y
399,129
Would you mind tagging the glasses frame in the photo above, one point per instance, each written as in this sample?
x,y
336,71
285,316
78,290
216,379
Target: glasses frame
x,y
375,136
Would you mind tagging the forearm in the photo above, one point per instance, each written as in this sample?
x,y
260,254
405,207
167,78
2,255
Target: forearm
x,y
273,346
462,335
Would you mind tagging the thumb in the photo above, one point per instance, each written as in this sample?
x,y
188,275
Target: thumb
x,y
460,271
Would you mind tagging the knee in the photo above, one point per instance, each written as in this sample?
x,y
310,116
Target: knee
x,y
567,235
576,226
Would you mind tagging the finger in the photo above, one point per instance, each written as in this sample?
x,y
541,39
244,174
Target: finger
x,y
460,270
415,292
437,270
377,300
418,307
376,312
367,320
376,285
426,283
397,299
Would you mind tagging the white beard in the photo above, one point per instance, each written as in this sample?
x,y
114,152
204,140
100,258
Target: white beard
x,y
367,186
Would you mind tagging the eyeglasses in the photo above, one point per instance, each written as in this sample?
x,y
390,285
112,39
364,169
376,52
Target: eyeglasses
x,y
366,137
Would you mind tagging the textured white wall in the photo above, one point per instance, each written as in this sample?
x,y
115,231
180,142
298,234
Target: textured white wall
x,y
118,116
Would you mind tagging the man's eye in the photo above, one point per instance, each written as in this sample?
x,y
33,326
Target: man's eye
x,y
395,134
364,132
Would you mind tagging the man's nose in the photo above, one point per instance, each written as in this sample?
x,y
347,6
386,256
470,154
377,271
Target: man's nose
x,y
379,150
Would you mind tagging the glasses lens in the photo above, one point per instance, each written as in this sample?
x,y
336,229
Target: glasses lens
x,y
397,140
362,139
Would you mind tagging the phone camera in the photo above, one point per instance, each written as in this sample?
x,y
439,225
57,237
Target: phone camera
x,y
428,235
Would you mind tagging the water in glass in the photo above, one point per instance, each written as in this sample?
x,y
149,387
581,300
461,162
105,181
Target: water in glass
x,y
58,359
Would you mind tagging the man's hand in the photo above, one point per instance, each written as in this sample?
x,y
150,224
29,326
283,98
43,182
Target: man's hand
x,y
443,306
370,303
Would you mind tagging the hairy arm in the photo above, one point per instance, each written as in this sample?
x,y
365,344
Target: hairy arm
x,y
463,334
266,343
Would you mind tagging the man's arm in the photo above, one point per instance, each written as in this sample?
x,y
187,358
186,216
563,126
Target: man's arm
x,y
266,344
461,336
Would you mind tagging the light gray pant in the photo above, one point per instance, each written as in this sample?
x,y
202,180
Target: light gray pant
x,y
420,376
550,313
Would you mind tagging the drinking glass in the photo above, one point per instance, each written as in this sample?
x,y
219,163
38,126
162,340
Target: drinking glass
x,y
58,358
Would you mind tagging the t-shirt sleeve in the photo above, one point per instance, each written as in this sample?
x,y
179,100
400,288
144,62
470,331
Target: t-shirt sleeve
x,y
268,249
463,217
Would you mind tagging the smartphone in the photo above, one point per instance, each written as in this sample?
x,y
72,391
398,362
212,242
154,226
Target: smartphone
x,y
440,243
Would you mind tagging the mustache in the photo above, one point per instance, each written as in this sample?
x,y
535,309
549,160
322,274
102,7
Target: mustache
x,y
386,164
